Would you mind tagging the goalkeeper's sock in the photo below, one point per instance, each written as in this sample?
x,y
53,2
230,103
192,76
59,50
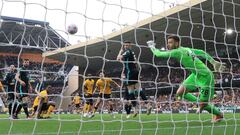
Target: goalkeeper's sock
x,y
212,109
190,97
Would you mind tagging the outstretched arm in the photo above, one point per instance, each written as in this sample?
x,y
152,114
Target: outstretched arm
x,y
218,66
159,53
203,54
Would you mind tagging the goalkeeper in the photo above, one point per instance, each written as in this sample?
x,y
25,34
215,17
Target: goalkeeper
x,y
201,76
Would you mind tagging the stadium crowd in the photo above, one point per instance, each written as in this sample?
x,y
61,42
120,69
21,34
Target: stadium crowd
x,y
173,74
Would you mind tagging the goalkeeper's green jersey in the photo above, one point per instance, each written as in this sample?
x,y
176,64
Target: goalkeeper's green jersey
x,y
188,57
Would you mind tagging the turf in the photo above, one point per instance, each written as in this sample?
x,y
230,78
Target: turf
x,y
160,124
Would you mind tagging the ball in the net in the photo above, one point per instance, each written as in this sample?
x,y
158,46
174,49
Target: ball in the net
x,y
72,29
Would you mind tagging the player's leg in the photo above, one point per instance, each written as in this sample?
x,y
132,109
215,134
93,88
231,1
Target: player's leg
x,y
34,111
50,109
90,104
127,108
40,109
10,100
141,93
18,109
206,94
188,85
96,105
86,108
44,110
131,80
86,105
110,103
132,98
25,101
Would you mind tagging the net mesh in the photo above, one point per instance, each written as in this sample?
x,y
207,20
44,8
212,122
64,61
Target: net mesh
x,y
31,29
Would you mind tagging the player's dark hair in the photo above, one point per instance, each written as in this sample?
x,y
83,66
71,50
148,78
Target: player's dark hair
x,y
175,38
25,59
127,41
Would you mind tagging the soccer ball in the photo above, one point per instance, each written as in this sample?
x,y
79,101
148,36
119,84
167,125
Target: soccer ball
x,y
72,29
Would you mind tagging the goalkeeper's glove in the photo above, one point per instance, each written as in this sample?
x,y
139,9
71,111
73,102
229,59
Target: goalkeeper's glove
x,y
151,44
218,66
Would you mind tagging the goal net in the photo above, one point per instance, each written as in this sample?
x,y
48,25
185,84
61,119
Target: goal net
x,y
65,67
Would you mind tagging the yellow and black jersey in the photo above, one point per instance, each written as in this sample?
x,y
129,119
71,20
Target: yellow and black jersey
x,y
88,86
77,100
43,96
104,85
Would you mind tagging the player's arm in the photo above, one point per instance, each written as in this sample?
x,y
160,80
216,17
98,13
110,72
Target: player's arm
x,y
30,86
159,53
119,57
85,87
218,66
17,77
37,88
2,89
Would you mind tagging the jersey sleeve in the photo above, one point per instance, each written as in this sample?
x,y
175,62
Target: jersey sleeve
x,y
203,54
165,54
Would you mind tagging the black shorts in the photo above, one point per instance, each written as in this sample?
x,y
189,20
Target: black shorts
x,y
105,96
77,105
10,96
44,107
131,77
88,98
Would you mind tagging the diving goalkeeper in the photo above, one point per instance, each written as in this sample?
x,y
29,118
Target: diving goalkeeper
x,y
201,76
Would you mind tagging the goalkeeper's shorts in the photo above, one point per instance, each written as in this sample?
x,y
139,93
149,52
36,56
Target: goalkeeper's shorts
x,y
205,83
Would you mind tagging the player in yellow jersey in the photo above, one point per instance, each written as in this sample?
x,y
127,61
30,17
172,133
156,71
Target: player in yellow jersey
x,y
88,94
41,105
77,101
104,86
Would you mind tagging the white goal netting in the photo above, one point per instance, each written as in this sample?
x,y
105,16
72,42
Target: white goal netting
x,y
61,90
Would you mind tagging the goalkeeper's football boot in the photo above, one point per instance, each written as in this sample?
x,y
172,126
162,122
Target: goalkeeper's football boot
x,y
217,118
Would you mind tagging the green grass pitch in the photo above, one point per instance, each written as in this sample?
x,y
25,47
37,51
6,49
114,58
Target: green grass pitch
x,y
159,124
